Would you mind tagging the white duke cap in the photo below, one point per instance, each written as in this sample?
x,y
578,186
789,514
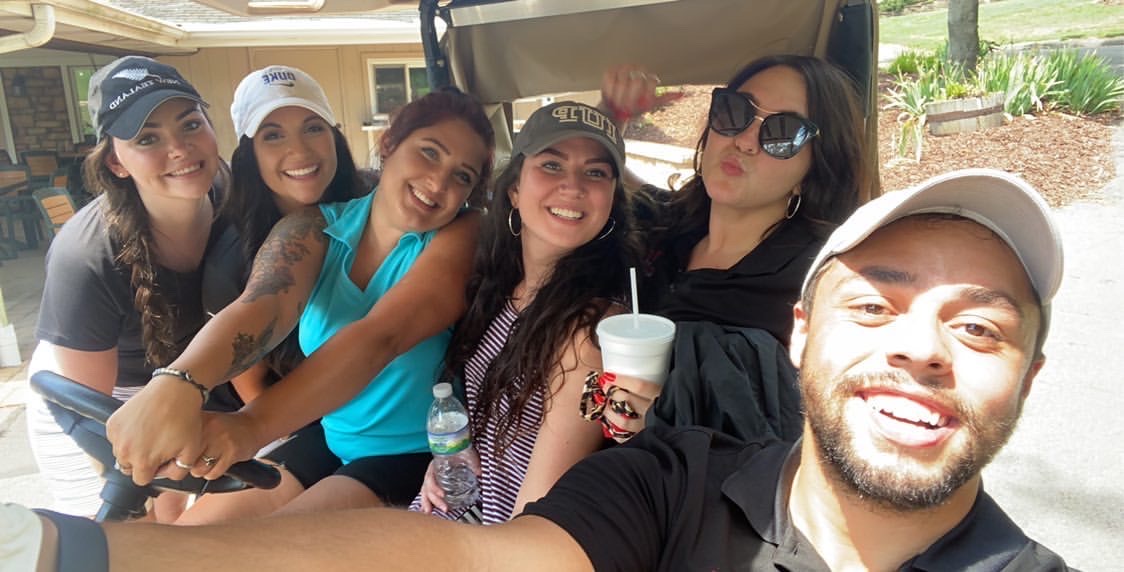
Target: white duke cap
x,y
265,90
1006,204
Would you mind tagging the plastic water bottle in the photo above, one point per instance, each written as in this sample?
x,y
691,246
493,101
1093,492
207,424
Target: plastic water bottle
x,y
451,444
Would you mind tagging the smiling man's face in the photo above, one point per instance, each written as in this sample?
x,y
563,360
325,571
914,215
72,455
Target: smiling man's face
x,y
916,359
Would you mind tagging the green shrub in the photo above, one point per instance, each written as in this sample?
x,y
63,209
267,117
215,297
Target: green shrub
x,y
909,96
1030,83
895,7
913,62
1086,83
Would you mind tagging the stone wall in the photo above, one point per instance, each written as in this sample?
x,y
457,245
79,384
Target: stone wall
x,y
38,115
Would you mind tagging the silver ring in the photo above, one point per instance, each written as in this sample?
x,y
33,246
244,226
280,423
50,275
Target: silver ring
x,y
123,469
180,464
209,460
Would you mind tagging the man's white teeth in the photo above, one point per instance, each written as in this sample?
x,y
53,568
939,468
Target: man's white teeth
x,y
186,170
566,213
428,202
302,172
905,409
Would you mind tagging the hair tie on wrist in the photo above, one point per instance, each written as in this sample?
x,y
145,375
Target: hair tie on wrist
x,y
183,375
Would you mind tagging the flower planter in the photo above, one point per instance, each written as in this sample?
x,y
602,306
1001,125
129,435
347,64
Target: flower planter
x,y
965,115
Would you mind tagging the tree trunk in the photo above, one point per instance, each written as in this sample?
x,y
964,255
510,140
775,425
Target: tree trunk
x,y
964,32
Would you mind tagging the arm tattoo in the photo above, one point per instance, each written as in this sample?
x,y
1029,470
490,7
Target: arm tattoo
x,y
286,246
248,349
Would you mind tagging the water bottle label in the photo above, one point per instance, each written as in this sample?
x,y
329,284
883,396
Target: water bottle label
x,y
450,443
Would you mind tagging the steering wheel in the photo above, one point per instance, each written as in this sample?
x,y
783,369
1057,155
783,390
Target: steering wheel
x,y
82,413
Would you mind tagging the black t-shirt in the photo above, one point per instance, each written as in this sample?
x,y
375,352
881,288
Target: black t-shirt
x,y
757,292
692,499
87,300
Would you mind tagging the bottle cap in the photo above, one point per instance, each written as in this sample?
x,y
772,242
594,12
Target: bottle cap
x,y
442,390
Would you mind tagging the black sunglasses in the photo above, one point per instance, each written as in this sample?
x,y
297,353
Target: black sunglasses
x,y
782,135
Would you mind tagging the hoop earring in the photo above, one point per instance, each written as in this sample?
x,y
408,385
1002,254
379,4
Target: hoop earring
x,y
790,210
511,223
612,226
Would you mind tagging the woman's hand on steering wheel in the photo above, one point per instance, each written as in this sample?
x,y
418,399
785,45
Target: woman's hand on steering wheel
x,y
227,439
158,430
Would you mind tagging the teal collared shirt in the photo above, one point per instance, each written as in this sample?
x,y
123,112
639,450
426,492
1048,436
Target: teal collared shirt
x,y
388,416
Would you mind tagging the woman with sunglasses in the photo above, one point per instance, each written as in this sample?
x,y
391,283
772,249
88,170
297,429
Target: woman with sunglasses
x,y
552,260
780,163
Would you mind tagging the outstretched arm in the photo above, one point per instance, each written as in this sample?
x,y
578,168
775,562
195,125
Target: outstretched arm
x,y
429,299
376,539
164,421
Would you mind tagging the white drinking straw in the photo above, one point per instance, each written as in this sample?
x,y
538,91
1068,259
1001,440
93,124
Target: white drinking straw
x,y
635,298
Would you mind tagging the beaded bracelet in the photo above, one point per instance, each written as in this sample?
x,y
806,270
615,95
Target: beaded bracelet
x,y
180,374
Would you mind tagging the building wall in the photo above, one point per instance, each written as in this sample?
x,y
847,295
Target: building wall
x,y
341,71
38,116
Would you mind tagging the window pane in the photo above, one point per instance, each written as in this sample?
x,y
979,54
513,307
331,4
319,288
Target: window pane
x,y
390,88
81,77
419,83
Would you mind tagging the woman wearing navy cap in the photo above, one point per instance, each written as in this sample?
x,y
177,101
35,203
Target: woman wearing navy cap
x,y
122,292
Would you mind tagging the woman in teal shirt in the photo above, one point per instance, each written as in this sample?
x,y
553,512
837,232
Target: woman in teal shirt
x,y
369,281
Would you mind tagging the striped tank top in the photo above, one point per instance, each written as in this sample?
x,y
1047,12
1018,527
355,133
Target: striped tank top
x,y
501,476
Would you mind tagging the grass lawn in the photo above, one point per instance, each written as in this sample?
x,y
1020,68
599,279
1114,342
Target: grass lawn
x,y
1010,21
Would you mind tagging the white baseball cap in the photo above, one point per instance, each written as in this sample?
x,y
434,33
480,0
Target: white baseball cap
x,y
265,90
1002,202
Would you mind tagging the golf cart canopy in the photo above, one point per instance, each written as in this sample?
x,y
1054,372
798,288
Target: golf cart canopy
x,y
502,50
506,50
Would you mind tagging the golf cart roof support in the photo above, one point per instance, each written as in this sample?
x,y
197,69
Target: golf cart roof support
x,y
436,64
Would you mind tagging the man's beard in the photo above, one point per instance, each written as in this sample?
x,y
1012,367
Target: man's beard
x,y
907,486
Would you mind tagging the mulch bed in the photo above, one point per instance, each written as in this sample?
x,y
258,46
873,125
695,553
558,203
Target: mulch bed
x,y
1067,158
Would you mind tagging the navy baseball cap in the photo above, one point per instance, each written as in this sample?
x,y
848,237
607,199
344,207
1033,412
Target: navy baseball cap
x,y
124,93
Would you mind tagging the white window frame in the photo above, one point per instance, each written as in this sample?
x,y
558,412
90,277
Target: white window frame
x,y
383,119
73,105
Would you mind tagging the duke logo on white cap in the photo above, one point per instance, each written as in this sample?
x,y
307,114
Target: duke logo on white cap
x,y
268,89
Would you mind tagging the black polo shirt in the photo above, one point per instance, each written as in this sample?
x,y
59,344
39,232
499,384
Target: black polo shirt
x,y
692,499
756,292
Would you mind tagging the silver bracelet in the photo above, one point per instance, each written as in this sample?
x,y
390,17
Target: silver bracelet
x,y
181,374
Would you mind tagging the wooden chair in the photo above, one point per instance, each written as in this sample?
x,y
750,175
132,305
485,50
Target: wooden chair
x,y
42,165
61,178
17,206
56,206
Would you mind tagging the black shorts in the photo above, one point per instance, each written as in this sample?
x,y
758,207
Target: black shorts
x,y
396,479
305,454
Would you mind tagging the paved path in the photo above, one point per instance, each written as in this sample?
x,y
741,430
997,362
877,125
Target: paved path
x,y
1061,477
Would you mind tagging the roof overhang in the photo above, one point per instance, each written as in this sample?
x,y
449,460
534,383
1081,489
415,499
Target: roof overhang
x,y
95,27
100,28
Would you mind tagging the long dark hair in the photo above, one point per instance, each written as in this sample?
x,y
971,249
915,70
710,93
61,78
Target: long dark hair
x,y
575,296
250,206
838,175
130,227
